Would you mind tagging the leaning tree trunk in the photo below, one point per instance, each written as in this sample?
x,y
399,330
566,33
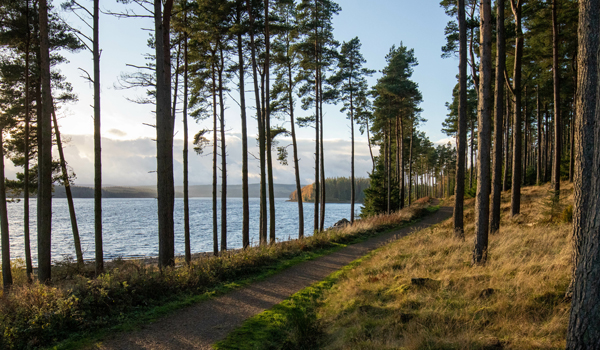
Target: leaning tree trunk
x,y
482,206
584,323
65,177
44,201
498,115
556,79
458,217
517,137
6,271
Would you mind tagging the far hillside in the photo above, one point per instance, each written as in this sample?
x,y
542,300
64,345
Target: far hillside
x,y
337,190
233,191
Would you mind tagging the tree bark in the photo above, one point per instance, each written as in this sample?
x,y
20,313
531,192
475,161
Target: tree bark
x,y
539,138
44,201
65,176
296,162
186,194
26,231
557,118
410,161
458,216
584,324
7,280
223,157
322,154
517,134
245,196
214,163
98,249
482,201
317,149
498,118
262,231
164,136
268,126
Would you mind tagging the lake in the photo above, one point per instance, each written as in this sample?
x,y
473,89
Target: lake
x,y
130,226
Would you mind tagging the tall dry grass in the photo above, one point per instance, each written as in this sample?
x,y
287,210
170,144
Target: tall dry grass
x,y
515,301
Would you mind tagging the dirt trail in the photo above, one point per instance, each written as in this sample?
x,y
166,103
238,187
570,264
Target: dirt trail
x,y
201,325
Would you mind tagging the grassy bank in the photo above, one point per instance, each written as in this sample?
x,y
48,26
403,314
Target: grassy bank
x,y
422,292
79,308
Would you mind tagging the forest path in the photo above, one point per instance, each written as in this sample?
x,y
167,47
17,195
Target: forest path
x,y
199,326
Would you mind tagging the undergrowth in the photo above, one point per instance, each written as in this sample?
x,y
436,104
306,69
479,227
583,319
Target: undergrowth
x,y
34,315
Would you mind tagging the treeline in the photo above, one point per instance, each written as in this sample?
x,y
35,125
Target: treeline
x,y
527,112
203,53
338,190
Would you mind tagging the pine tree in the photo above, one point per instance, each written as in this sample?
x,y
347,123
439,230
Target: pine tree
x,y
350,80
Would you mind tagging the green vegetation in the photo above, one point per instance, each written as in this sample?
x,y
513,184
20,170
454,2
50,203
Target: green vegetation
x,y
422,292
337,190
77,306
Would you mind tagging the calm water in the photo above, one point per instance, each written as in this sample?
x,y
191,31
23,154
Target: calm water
x,y
130,226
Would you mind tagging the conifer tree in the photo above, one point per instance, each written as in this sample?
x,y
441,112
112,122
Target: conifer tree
x,y
350,80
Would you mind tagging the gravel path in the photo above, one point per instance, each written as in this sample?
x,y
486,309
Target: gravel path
x,y
201,325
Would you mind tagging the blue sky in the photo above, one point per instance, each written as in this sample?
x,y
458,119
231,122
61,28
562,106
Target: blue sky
x,y
379,24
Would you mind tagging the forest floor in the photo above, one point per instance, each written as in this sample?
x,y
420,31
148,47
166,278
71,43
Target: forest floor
x,y
201,325
422,292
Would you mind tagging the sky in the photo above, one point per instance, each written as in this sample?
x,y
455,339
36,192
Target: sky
x,y
128,147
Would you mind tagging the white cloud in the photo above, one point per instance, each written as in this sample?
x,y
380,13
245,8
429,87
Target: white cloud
x,y
132,162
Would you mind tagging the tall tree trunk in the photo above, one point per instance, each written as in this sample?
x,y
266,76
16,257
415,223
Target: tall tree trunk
x,y
410,161
262,232
386,150
214,164
44,201
472,149
539,138
296,163
322,154
398,152
223,157
458,217
507,158
482,201
98,249
7,280
352,187
26,232
498,115
402,187
317,135
268,127
164,136
65,177
584,324
557,119
245,195
517,137
186,192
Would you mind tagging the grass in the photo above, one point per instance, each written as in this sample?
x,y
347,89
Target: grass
x,y
422,292
79,309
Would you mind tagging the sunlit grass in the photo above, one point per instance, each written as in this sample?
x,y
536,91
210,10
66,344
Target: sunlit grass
x,y
515,301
